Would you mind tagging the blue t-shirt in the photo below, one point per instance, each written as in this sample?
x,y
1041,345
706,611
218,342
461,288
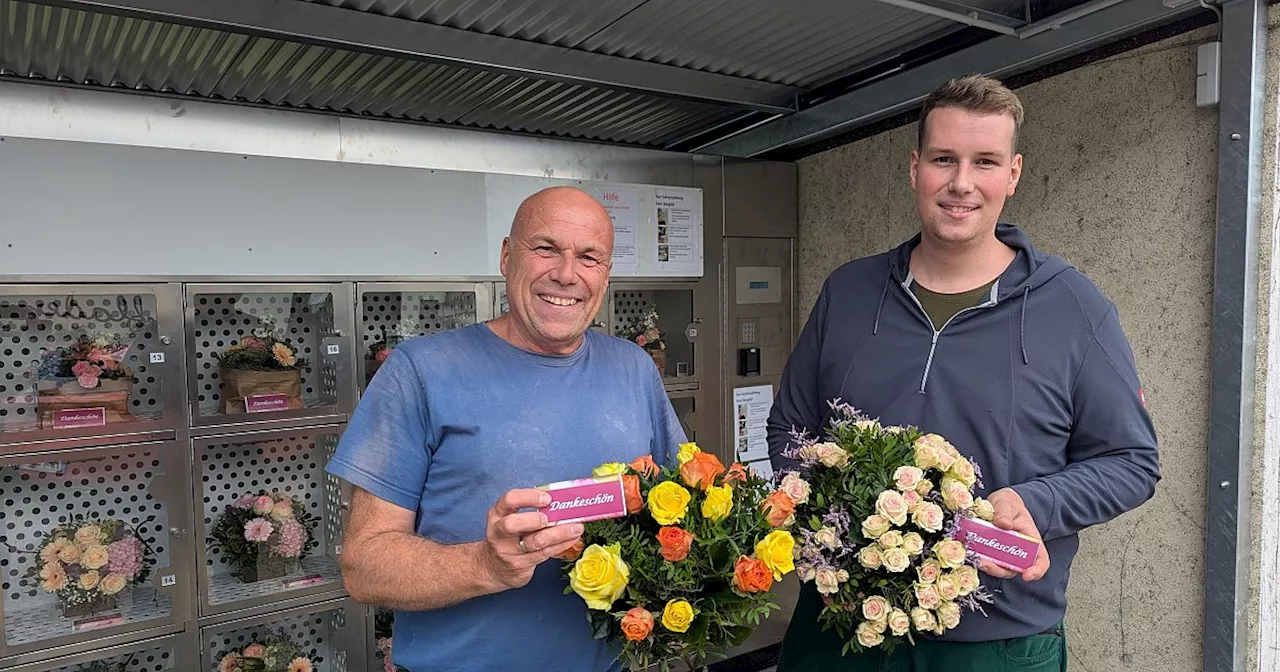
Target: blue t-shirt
x,y
454,420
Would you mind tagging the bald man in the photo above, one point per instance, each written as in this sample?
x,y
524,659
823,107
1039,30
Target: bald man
x,y
456,428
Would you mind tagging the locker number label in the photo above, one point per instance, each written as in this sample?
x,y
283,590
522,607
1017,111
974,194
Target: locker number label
x,y
334,349
157,358
169,580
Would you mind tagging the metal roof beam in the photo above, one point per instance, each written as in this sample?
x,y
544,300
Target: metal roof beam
x,y
970,20
314,23
1044,42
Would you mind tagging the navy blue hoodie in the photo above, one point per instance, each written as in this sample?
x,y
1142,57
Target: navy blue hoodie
x,y
1037,384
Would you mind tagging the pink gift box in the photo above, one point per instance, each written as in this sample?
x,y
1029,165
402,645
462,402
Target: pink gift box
x,y
584,500
1005,548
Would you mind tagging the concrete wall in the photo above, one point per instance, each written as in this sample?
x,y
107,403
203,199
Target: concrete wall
x,y
1119,179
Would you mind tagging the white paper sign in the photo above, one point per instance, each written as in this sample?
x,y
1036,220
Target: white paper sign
x,y
751,406
678,231
623,204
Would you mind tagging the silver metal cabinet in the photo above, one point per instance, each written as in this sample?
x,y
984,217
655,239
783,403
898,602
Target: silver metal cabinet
x,y
231,471
177,653
332,634
315,319
390,312
136,500
89,365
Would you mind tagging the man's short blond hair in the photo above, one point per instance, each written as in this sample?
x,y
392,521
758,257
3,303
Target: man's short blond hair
x,y
974,93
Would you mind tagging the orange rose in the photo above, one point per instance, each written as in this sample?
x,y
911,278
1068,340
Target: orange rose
x,y
737,474
637,624
646,466
631,493
701,470
675,543
572,553
750,575
778,508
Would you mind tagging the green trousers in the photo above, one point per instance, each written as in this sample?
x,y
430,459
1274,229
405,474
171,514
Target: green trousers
x,y
808,648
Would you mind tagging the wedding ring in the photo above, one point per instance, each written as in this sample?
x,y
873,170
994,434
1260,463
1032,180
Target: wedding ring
x,y
522,548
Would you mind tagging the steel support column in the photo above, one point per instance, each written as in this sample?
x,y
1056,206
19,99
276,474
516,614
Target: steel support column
x,y
1235,297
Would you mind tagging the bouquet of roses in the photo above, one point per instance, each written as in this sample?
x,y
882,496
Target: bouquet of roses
x,y
88,361
276,653
88,563
689,569
881,510
263,536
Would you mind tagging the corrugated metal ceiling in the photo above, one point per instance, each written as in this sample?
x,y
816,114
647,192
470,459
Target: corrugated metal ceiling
x,y
802,44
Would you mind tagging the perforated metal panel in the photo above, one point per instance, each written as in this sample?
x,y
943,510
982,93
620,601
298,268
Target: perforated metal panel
x,y
221,320
30,326
37,497
630,307
151,660
316,633
420,312
292,464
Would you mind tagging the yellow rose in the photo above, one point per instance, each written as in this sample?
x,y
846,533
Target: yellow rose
x,y
677,616
609,469
95,557
874,526
983,509
687,451
896,560
871,556
924,487
668,502
875,608
776,551
948,587
89,535
929,570
929,517
949,615
962,470
827,537
113,583
912,543
867,635
922,619
955,495
899,622
69,554
600,575
892,507
719,502
927,595
89,580
950,553
891,539
968,578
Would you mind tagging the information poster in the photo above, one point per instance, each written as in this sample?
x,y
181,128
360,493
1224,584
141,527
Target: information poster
x,y
623,204
677,230
751,406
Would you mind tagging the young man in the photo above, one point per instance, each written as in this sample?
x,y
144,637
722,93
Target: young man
x,y
1014,356
457,421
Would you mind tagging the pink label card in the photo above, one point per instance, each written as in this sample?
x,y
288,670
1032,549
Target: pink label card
x,y
97,623
584,500
1005,548
262,403
74,418
304,581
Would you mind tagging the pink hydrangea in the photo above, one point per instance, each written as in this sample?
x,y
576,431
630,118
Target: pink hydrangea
x,y
125,557
292,537
245,502
258,529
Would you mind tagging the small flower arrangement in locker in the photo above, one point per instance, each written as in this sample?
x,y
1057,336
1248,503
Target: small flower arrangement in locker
x,y
88,376
275,653
383,620
89,563
261,372
263,536
390,337
111,665
645,333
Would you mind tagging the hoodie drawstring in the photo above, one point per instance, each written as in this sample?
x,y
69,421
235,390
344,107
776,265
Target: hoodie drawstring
x,y
875,329
1022,326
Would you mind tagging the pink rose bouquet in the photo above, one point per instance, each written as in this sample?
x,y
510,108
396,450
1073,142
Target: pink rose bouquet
x,y
878,509
263,535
